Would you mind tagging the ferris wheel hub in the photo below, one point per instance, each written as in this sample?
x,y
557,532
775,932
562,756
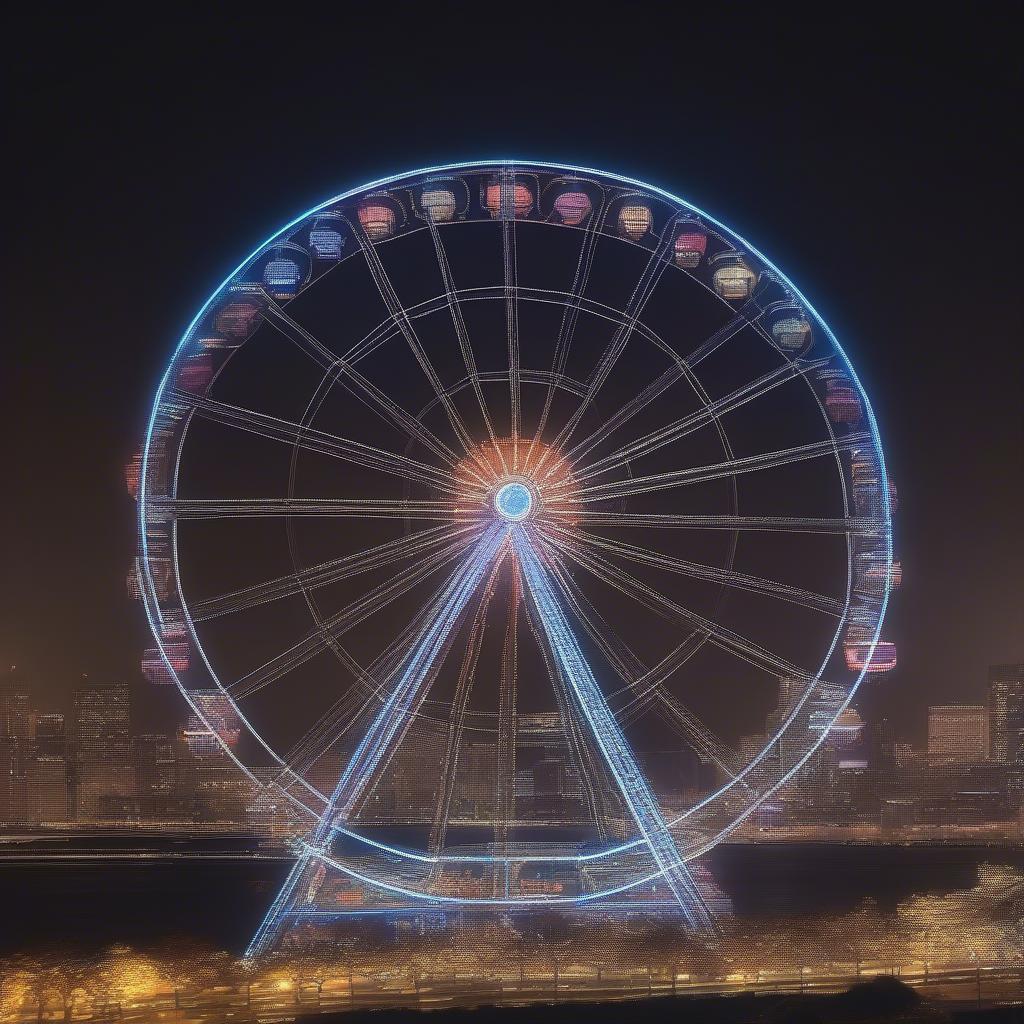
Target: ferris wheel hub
x,y
514,501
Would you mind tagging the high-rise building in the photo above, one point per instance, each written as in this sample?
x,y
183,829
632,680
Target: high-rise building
x,y
16,718
1006,712
958,733
51,740
554,788
13,794
47,788
17,729
791,690
101,736
102,715
156,765
407,785
846,736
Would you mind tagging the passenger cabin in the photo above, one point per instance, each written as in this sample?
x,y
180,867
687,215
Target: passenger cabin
x,y
282,277
195,373
842,402
733,279
238,319
438,205
573,208
377,218
635,220
325,242
133,473
506,200
792,334
690,246
859,656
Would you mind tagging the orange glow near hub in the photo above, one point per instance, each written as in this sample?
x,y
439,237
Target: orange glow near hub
x,y
492,465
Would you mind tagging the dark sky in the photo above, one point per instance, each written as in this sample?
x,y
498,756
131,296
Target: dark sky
x,y
871,159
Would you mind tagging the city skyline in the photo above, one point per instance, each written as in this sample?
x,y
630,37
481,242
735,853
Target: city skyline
x,y
51,756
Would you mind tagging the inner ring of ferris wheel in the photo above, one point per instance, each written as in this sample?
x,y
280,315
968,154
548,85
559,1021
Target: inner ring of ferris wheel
x,y
571,489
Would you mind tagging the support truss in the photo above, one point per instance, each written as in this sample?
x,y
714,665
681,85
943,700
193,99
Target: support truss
x,y
408,687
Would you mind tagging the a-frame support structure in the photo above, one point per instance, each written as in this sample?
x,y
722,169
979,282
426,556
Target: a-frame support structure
x,y
408,687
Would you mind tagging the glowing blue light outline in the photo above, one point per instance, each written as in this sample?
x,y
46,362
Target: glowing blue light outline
x,y
379,740
522,901
515,487
149,590
618,755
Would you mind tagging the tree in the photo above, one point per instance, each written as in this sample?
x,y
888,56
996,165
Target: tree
x,y
66,982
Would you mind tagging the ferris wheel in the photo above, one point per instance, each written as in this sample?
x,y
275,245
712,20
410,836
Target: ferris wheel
x,y
518,530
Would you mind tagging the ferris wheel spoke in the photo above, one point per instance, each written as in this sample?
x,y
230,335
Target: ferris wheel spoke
x,y
570,315
651,392
459,323
325,732
341,622
721,470
386,730
505,794
746,315
344,372
388,329
634,673
769,524
317,441
363,695
508,239
726,639
707,573
686,425
324,573
704,742
677,371
253,508
631,315
401,317
409,686
457,716
647,687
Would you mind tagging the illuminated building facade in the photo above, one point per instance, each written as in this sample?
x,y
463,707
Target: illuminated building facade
x,y
17,720
17,730
47,786
103,767
958,733
1006,712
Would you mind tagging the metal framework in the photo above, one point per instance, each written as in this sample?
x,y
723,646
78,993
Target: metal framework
x,y
562,511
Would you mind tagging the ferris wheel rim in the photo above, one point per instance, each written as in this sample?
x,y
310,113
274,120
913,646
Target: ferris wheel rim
x,y
482,164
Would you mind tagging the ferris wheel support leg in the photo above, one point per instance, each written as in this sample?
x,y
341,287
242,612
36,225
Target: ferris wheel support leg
x,y
387,729
272,924
615,749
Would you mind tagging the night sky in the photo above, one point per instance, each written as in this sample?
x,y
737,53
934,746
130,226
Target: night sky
x,y
871,160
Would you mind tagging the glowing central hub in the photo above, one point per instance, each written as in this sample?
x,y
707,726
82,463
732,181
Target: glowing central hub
x,y
513,502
